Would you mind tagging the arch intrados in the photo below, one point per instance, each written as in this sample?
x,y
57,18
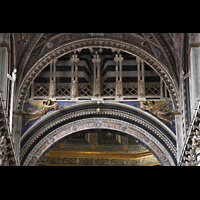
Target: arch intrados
x,y
97,43
153,146
122,133
65,125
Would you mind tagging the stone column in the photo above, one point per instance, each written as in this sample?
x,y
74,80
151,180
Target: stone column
x,y
12,79
119,89
74,75
180,126
96,75
52,84
141,86
194,72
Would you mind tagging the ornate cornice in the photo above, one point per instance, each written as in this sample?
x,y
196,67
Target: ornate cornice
x,y
162,70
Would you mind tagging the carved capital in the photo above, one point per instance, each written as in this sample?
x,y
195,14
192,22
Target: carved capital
x,y
96,59
74,59
138,59
118,58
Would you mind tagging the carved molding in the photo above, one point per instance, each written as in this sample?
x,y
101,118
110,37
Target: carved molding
x,y
162,70
169,54
27,52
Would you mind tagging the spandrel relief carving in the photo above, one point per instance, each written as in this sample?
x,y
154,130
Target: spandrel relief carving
x,y
42,108
159,110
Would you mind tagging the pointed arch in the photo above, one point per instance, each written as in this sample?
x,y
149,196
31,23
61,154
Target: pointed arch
x,y
71,46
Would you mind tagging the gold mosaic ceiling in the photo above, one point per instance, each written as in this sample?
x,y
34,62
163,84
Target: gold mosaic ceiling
x,y
98,148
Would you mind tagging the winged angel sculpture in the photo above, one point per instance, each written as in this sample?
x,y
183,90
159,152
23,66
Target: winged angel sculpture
x,y
158,110
42,108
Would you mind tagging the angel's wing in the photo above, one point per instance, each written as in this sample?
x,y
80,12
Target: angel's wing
x,y
160,104
30,110
37,104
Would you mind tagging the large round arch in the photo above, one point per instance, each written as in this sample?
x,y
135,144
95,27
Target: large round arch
x,y
93,42
150,131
